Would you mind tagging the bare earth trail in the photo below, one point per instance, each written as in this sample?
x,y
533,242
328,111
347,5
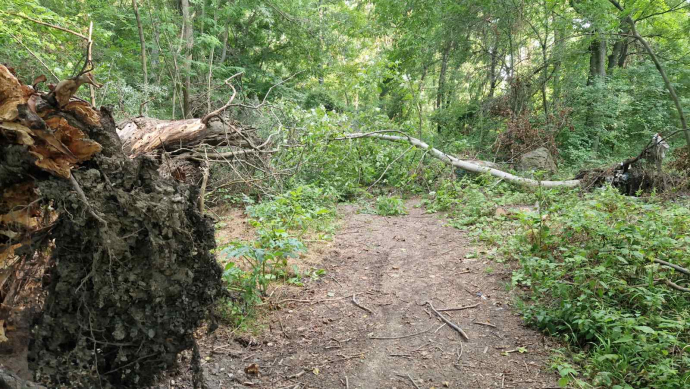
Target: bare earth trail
x,y
321,339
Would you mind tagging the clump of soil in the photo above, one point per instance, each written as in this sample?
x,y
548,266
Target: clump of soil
x,y
133,274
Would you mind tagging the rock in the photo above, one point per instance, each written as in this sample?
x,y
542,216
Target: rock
x,y
539,159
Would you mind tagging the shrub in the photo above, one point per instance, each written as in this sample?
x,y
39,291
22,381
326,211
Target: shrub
x,y
390,206
589,264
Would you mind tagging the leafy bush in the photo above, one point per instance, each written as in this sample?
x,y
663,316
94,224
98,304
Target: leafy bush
x,y
390,206
474,199
590,266
252,265
263,261
301,208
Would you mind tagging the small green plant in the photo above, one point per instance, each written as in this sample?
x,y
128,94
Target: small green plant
x,y
250,266
390,206
299,209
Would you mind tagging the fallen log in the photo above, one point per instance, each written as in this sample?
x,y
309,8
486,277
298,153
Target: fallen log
x,y
145,135
450,160
183,146
131,274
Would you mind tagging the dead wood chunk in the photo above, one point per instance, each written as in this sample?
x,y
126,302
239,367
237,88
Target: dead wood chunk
x,y
56,166
84,112
12,93
76,141
16,133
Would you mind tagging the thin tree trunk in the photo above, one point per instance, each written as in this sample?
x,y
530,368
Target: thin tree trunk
x,y
142,42
442,78
597,61
188,37
210,76
492,71
224,53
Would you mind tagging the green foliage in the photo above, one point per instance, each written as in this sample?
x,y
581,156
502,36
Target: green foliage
x,y
390,206
474,200
250,266
589,265
263,261
299,209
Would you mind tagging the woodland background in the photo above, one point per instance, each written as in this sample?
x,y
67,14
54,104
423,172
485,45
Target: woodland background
x,y
488,80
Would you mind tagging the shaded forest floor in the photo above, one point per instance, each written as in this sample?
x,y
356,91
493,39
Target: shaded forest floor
x,y
316,337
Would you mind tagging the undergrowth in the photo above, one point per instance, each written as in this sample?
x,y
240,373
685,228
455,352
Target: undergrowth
x,y
280,224
588,272
589,264
390,206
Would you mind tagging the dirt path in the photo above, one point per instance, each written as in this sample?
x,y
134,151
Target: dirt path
x,y
321,339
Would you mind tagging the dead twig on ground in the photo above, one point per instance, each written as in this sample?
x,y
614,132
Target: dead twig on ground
x,y
297,375
408,376
668,264
676,286
401,337
484,324
459,308
354,301
450,323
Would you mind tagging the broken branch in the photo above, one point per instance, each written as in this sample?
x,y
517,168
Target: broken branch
x,y
459,308
354,301
668,264
450,323
220,110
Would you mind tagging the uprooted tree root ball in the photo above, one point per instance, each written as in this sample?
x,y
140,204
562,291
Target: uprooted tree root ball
x,y
131,275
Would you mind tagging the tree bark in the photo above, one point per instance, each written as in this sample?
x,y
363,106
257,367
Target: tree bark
x,y
142,42
144,135
442,77
188,37
597,61
226,33
492,71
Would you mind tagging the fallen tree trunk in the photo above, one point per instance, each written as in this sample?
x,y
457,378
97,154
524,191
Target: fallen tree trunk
x,y
144,135
131,273
183,146
450,160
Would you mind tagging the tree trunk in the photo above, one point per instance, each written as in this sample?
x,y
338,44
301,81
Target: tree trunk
x,y
619,52
188,37
145,135
131,274
226,33
142,42
442,77
662,72
492,71
597,61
